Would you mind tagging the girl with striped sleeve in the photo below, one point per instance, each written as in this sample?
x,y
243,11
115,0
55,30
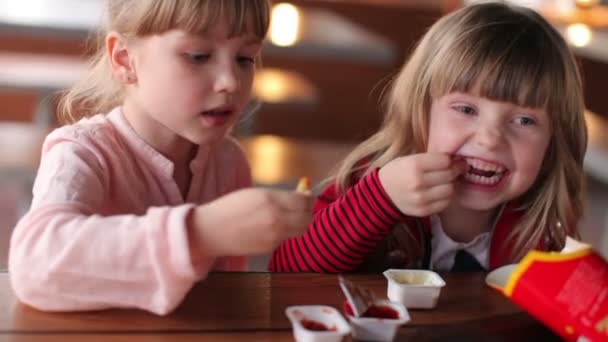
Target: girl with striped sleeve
x,y
478,161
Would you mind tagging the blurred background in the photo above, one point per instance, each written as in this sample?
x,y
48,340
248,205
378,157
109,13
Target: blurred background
x,y
325,66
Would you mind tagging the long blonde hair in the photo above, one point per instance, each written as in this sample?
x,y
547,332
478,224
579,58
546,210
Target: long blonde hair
x,y
99,92
512,54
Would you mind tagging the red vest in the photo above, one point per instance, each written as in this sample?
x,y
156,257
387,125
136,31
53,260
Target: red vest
x,y
500,246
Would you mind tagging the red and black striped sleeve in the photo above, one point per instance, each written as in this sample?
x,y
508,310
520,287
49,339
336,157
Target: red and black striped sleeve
x,y
344,230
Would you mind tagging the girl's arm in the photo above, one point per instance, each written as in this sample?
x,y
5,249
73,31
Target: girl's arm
x,y
345,229
64,256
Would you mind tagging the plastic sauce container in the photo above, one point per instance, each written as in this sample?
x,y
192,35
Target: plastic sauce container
x,y
416,289
317,323
379,323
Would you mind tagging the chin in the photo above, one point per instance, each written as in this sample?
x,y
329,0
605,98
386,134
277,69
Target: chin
x,y
478,204
208,139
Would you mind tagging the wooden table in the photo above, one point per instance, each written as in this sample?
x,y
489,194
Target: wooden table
x,y
250,306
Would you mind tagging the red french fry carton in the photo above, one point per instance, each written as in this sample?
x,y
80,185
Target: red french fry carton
x,y
566,291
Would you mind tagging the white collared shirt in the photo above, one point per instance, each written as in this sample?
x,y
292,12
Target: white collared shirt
x,y
444,249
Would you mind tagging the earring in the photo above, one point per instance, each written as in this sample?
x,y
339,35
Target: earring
x,y
126,77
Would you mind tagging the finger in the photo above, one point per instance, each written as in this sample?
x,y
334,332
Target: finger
x,y
293,201
459,165
434,161
297,223
456,168
438,193
436,207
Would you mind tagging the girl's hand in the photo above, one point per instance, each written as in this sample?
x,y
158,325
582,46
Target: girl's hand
x,y
421,184
250,221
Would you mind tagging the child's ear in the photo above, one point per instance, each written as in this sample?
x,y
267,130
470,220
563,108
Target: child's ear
x,y
118,55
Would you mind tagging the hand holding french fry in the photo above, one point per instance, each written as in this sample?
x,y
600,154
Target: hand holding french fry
x,y
303,185
250,221
421,184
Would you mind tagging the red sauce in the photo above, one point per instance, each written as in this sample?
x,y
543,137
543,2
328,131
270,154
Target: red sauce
x,y
348,309
374,311
377,311
314,325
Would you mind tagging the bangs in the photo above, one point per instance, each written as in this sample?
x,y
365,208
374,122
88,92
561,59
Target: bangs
x,y
199,16
508,62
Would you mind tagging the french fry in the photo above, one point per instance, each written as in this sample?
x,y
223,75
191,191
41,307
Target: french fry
x,y
303,185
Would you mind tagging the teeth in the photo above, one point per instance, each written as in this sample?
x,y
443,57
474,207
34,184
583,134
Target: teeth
x,y
496,171
482,179
484,166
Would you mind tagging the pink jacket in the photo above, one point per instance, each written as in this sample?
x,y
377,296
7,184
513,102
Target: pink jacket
x,y
107,223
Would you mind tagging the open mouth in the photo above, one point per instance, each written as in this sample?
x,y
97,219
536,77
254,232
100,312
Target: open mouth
x,y
217,112
483,172
217,117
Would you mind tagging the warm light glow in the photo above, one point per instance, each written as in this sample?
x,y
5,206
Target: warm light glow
x,y
280,86
587,3
284,24
23,11
83,15
578,35
267,155
270,86
596,161
596,126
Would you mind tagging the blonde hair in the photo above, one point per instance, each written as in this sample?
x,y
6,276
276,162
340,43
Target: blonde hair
x,y
505,53
99,92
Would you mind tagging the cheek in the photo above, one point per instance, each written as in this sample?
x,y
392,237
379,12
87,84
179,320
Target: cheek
x,y
534,158
246,79
159,79
531,157
442,137
534,148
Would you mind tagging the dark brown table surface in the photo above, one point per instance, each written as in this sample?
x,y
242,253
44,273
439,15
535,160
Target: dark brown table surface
x,y
250,306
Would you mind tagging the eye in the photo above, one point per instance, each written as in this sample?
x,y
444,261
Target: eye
x,y
465,109
525,121
246,60
197,57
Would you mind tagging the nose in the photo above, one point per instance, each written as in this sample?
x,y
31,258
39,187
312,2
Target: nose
x,y
226,80
489,136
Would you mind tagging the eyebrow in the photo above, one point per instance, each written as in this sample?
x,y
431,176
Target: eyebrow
x,y
252,40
